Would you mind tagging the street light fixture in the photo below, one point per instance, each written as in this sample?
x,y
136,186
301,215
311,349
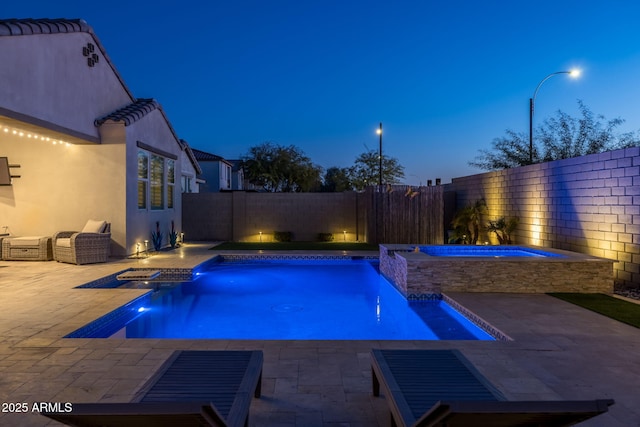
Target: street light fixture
x,y
379,132
572,73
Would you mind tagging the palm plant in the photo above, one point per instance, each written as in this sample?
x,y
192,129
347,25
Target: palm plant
x,y
466,222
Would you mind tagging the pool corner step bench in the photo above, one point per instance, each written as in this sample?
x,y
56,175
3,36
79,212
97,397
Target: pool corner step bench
x,y
441,387
192,388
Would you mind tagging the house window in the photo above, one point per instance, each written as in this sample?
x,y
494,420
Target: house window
x,y
157,182
227,176
186,184
143,179
171,182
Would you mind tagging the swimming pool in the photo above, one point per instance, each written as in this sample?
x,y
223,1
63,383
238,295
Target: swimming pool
x,y
293,300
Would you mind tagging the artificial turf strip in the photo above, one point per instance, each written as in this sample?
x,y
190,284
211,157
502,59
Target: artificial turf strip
x,y
296,246
614,308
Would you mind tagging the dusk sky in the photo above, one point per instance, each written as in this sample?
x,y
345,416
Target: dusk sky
x,y
444,77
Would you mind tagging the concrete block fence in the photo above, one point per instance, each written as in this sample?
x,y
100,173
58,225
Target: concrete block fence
x,y
588,204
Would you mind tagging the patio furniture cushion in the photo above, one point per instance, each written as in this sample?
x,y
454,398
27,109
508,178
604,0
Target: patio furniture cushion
x,y
25,241
93,226
65,242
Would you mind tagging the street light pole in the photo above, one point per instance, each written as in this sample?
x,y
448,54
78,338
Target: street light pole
x,y
532,101
379,132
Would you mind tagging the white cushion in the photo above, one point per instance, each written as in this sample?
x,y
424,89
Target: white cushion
x,y
93,226
25,241
64,242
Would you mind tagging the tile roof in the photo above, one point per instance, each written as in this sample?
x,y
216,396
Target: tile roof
x,y
204,156
23,27
132,112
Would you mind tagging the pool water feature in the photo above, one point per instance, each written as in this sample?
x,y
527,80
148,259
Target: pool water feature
x,y
423,269
293,300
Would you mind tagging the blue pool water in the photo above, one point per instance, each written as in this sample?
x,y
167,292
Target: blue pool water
x,y
486,251
284,300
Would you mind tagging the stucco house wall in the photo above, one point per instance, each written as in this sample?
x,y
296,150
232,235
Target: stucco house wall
x,y
73,126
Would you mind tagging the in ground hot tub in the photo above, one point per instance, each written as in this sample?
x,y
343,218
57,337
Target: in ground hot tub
x,y
422,270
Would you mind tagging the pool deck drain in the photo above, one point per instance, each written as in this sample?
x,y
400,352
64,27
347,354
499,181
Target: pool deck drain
x,y
559,351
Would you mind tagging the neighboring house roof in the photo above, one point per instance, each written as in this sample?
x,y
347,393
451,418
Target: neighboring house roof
x,y
203,156
29,26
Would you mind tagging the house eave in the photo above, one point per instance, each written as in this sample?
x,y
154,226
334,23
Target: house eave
x,y
23,122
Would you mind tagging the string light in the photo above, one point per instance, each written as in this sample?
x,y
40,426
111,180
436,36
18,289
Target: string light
x,y
21,133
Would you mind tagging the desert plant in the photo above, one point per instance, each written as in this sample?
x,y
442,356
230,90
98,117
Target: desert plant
x,y
156,237
173,236
282,236
503,228
466,223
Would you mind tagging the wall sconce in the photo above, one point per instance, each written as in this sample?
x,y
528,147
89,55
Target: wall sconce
x,y
344,233
260,232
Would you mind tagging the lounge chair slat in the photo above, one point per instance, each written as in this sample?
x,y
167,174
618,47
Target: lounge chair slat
x,y
441,387
513,413
225,381
141,414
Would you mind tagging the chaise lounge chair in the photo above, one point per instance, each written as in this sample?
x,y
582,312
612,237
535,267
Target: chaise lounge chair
x,y
192,388
89,246
442,388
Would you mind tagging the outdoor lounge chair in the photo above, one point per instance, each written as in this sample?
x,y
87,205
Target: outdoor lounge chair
x,y
442,388
91,245
192,388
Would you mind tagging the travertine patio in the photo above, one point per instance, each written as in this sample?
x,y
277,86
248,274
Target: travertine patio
x,y
559,352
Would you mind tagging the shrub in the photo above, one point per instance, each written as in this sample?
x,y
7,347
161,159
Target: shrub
x,y
325,237
282,236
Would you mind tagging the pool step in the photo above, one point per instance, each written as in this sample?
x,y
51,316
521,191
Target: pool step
x,y
138,275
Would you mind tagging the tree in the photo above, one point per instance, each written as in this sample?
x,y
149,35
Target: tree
x,y
337,180
559,137
366,170
277,168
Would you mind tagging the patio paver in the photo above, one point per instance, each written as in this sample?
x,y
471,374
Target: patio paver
x,y
559,351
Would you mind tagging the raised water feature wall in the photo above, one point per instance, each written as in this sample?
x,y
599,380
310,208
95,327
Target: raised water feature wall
x,y
418,275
